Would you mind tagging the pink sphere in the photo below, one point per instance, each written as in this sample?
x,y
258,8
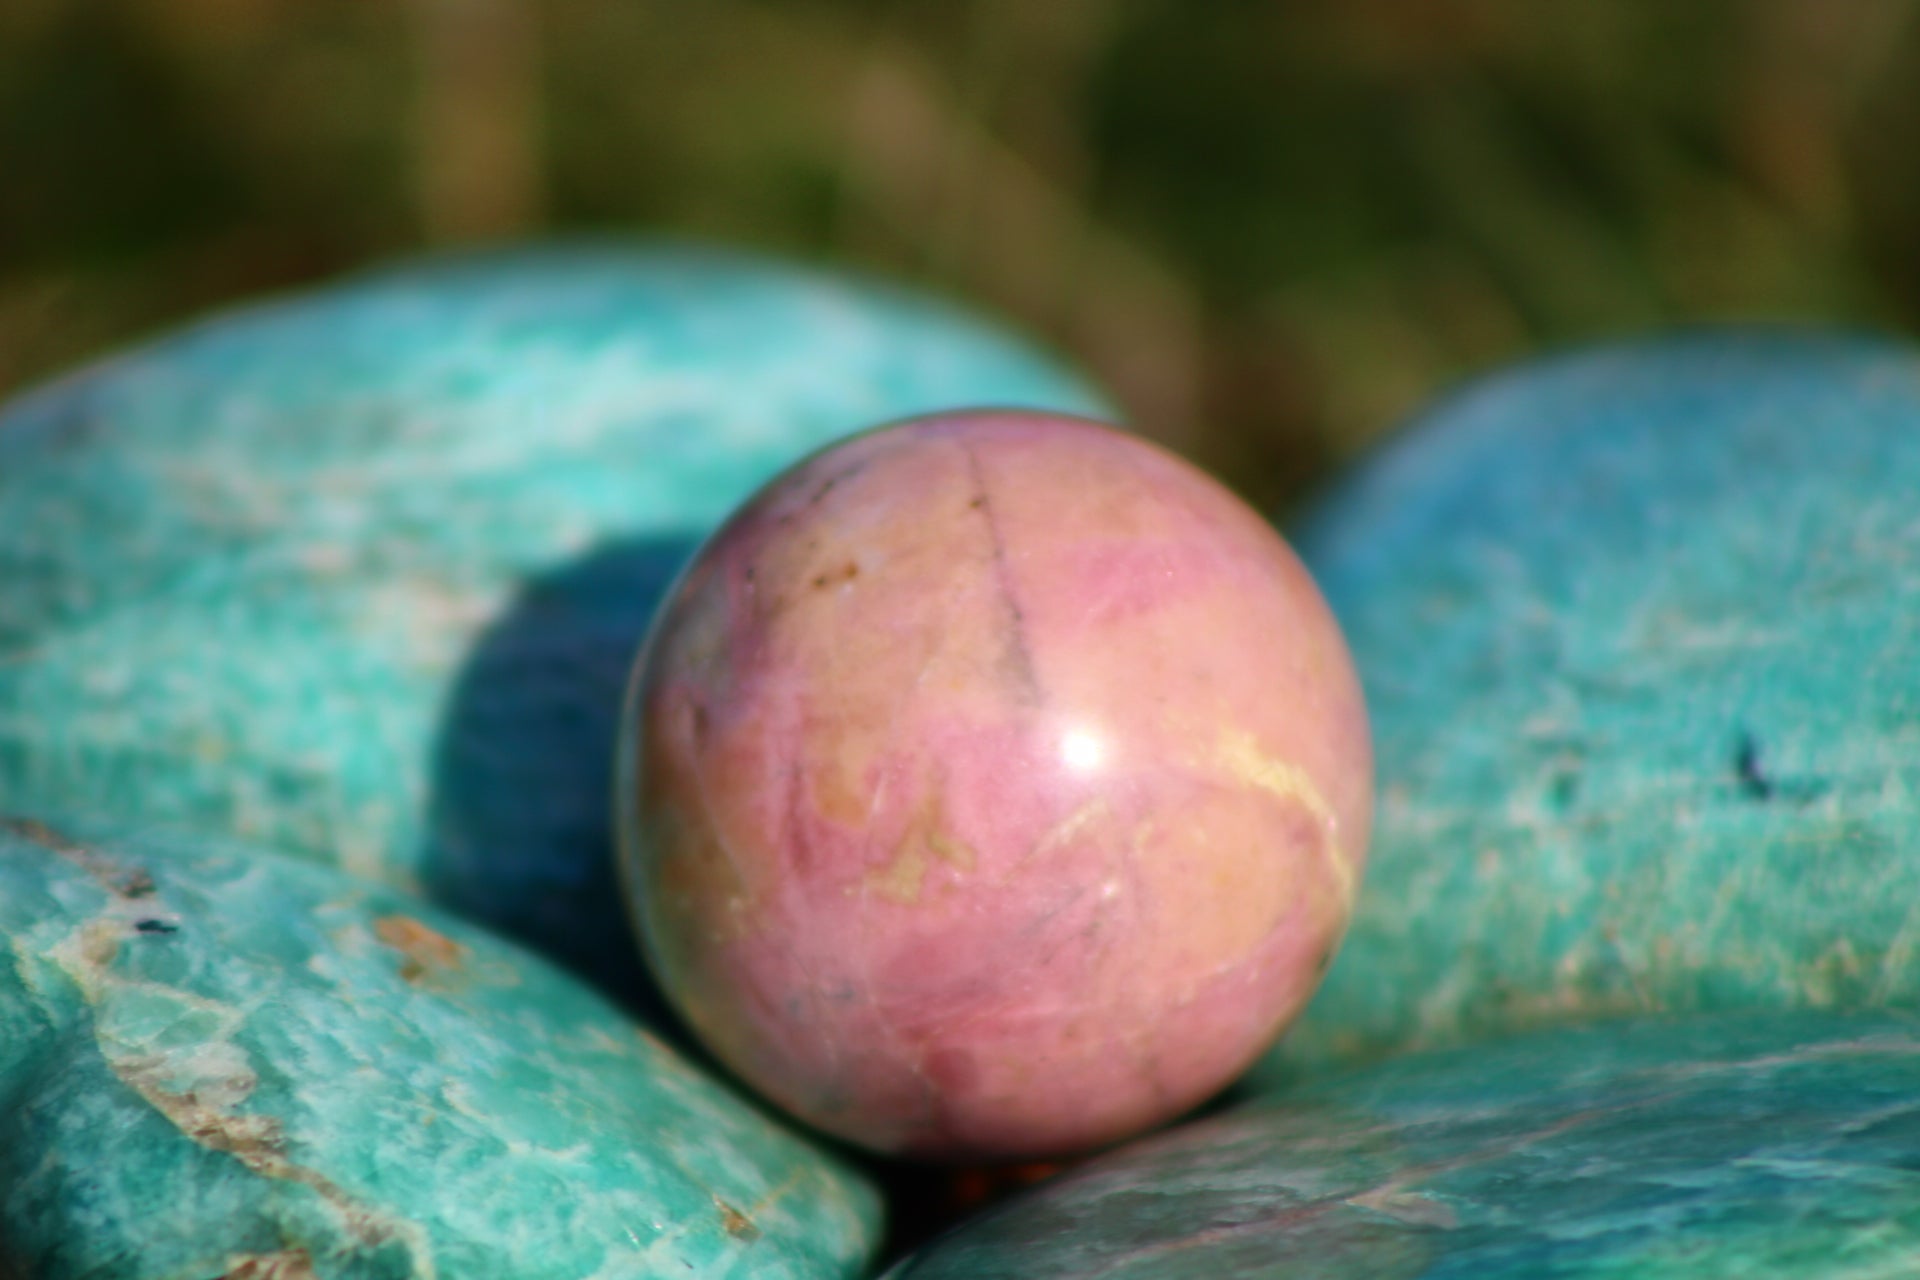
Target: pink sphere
x,y
995,784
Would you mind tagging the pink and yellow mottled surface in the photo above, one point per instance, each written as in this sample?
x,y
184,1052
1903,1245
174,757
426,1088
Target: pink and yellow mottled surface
x,y
995,784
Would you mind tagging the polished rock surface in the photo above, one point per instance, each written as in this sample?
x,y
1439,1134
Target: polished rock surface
x,y
360,573
1637,630
1768,1147
218,1063
997,785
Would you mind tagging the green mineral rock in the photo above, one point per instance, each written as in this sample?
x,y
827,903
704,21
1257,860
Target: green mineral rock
x,y
360,574
1782,1146
1638,631
217,1063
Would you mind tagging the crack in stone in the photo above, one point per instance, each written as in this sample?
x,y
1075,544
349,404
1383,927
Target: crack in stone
x,y
281,1264
1019,656
257,1142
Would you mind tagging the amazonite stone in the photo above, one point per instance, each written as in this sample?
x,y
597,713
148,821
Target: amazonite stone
x,y
1764,1146
215,1062
360,574
1640,634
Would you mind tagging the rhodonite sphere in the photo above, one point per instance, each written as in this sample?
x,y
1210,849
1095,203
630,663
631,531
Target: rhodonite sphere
x,y
994,784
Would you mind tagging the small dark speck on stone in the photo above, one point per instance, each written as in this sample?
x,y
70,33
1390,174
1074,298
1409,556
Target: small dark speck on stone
x,y
151,925
1747,767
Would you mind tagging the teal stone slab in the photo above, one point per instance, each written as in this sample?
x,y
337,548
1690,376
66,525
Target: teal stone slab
x,y
359,574
1639,629
1763,1146
218,1063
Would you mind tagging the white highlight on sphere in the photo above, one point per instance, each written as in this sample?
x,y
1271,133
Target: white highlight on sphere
x,y
1082,752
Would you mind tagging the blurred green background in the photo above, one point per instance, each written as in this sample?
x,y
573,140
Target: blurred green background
x,y
1272,228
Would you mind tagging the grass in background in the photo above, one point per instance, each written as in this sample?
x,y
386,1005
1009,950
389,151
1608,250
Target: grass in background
x,y
1272,228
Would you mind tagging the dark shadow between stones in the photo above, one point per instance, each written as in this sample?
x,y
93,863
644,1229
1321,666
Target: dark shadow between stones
x,y
521,816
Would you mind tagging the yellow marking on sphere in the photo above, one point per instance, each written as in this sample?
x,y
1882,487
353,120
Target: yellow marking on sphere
x,y
955,853
1070,826
904,877
900,880
1241,755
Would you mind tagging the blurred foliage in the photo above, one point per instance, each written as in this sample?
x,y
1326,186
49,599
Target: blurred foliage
x,y
1271,227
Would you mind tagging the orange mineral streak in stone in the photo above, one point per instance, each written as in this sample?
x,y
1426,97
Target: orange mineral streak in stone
x,y
423,950
1003,784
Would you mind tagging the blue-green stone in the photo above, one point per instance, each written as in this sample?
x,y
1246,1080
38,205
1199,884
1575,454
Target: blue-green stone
x,y
1782,1146
215,1062
1640,635
360,574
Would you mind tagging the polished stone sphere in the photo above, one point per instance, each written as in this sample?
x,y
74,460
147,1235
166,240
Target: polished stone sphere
x,y
995,784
